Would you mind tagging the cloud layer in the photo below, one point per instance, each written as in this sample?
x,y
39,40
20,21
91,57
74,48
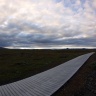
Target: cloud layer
x,y
47,23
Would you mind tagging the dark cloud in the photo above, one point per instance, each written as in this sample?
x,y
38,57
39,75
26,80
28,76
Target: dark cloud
x,y
40,40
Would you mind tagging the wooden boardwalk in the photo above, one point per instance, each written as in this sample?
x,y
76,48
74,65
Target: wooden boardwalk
x,y
45,83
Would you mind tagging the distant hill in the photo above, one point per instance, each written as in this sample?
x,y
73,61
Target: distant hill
x,y
2,48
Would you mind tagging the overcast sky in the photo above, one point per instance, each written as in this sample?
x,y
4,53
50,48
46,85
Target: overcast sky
x,y
47,23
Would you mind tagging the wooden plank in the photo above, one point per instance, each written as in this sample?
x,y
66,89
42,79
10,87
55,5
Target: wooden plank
x,y
45,83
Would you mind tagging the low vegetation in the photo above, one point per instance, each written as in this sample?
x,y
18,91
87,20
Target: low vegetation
x,y
20,64
94,65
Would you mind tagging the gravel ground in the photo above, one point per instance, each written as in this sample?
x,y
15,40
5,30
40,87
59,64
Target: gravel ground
x,y
90,86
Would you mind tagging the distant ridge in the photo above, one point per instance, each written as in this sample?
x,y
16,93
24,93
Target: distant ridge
x,y
2,48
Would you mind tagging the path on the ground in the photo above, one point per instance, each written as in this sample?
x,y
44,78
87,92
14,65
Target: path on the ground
x,y
45,83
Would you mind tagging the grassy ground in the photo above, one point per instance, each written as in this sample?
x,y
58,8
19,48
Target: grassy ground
x,y
19,64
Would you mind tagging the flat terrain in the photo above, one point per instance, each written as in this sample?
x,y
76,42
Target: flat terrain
x,y
19,64
47,82
83,83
